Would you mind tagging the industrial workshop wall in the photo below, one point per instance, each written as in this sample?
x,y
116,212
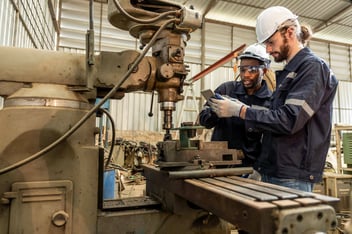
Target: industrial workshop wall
x,y
28,24
33,23
339,58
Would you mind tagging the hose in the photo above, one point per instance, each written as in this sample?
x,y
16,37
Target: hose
x,y
113,135
143,21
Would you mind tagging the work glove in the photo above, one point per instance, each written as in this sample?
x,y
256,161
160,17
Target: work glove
x,y
255,176
226,107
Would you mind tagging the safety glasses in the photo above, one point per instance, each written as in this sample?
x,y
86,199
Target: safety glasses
x,y
250,69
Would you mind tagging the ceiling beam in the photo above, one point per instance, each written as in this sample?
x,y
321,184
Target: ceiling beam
x,y
210,5
333,20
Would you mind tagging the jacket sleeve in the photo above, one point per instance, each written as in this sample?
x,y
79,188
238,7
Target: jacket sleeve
x,y
298,98
207,117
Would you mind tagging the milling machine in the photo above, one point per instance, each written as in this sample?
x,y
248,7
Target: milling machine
x,y
51,171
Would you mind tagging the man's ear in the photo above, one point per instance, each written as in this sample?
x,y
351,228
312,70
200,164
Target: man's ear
x,y
265,70
291,32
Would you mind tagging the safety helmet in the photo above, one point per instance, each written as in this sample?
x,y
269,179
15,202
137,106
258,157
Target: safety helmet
x,y
270,20
256,51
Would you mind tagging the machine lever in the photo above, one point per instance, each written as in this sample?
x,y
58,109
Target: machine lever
x,y
150,114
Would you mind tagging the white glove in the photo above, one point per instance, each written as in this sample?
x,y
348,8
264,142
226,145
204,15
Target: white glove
x,y
255,176
226,107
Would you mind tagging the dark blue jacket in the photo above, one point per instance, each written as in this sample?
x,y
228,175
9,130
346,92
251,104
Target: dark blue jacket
x,y
232,129
297,128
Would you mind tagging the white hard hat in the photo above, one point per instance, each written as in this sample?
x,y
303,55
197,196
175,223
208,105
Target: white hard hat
x,y
256,51
270,20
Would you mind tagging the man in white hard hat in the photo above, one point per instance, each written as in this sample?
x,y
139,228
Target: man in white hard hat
x,y
297,126
250,89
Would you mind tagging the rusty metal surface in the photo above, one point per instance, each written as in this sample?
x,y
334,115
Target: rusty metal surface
x,y
201,155
130,203
240,201
183,174
28,130
152,221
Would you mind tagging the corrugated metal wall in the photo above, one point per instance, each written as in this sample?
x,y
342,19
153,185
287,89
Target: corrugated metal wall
x,y
29,24
339,58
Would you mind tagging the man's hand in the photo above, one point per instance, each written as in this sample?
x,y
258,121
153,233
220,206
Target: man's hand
x,y
226,107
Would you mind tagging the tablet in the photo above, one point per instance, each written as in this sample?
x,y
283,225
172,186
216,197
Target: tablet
x,y
207,93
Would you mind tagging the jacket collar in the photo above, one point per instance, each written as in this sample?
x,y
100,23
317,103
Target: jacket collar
x,y
263,92
298,59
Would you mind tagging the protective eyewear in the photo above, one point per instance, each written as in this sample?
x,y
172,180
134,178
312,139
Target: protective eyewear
x,y
250,69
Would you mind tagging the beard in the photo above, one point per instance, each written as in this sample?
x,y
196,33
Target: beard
x,y
283,54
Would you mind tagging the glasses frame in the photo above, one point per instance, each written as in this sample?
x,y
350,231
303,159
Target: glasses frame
x,y
250,69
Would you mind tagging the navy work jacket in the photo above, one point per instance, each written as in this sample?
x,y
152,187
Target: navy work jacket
x,y
297,127
233,129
